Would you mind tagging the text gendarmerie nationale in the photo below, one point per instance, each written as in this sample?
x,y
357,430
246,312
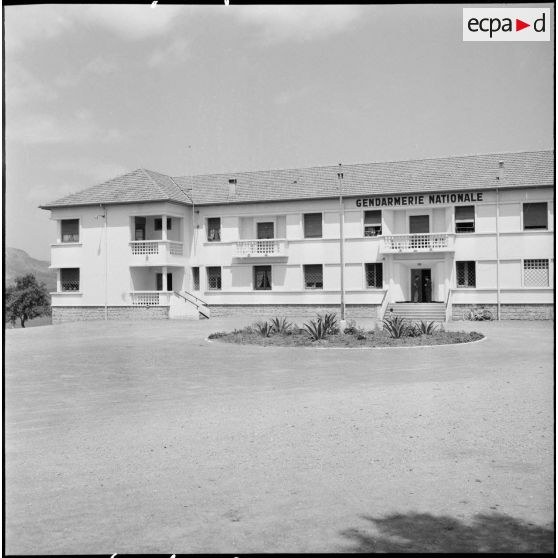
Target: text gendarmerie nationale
x,y
433,199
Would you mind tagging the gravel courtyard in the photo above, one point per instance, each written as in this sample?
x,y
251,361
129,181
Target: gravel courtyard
x,y
145,438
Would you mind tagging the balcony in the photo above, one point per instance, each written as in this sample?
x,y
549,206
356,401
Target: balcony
x,y
150,298
155,252
262,248
410,243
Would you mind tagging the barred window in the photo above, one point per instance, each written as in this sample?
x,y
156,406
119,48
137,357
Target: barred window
x,y
159,223
374,275
69,279
535,216
312,225
465,219
373,223
313,277
214,229
466,274
214,278
535,273
262,277
196,278
69,229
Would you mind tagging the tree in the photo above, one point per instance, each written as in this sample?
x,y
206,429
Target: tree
x,y
26,299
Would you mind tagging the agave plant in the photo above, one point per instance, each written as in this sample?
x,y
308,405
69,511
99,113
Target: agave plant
x,y
281,325
396,326
330,323
316,329
265,329
426,328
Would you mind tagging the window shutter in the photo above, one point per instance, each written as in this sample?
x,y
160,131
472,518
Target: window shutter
x,y
312,225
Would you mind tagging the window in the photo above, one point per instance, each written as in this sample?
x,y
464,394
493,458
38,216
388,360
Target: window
x,y
466,274
214,278
69,279
262,277
265,230
535,273
312,225
159,281
465,219
372,223
159,223
69,229
214,229
374,275
313,277
196,278
535,216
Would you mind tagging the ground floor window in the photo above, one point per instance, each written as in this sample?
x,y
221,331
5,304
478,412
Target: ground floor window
x,y
196,278
535,273
69,279
262,277
313,277
374,275
466,274
214,278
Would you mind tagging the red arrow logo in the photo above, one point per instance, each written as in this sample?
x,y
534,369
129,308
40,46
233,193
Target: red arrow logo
x,y
519,25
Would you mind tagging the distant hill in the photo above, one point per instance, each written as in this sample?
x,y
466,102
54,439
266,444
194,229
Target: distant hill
x,y
19,262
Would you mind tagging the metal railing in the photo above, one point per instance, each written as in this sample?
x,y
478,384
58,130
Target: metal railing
x,y
260,247
383,306
417,242
69,286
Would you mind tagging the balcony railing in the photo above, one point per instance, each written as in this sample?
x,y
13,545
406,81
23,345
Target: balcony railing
x,y
426,242
141,247
260,248
150,298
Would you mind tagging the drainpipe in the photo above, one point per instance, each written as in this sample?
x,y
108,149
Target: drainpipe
x,y
500,179
104,208
341,245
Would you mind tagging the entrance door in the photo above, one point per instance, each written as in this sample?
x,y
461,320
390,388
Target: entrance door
x,y
160,281
421,285
265,230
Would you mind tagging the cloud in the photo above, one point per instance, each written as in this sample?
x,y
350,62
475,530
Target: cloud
x,y
100,67
93,171
22,86
174,53
276,24
47,129
288,96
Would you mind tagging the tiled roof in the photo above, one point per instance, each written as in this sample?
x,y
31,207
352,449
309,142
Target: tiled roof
x,y
524,169
138,186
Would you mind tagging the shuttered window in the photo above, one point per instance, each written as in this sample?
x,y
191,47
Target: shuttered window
x,y
70,230
535,216
466,274
465,219
312,225
373,223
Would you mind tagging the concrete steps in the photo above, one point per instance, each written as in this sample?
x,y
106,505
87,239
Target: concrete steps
x,y
427,311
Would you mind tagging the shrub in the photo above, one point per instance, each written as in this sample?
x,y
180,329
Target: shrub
x,y
281,326
396,326
426,328
330,323
217,334
265,329
316,329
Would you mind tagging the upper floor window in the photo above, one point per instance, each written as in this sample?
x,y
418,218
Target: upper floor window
x,y
535,216
535,273
373,223
214,278
69,230
159,223
265,230
312,225
69,279
214,229
466,274
262,277
465,219
374,275
313,277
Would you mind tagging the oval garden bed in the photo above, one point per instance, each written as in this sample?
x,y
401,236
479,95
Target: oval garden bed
x,y
324,332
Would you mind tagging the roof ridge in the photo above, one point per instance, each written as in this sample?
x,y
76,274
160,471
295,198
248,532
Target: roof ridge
x,y
153,182
370,163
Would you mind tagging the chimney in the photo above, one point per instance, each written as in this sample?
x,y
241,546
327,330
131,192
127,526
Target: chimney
x,y
500,176
232,187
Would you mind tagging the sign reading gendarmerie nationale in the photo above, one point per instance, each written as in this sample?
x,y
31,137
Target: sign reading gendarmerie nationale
x,y
430,199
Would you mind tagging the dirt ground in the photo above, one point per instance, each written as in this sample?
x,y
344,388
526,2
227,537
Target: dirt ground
x,y
145,438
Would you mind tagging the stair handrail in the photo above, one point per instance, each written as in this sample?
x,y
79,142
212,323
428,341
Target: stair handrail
x,y
177,293
448,305
383,306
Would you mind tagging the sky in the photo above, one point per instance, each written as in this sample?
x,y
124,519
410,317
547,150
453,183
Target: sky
x,y
94,91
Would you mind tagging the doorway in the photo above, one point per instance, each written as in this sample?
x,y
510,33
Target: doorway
x,y
421,285
265,230
160,281
419,224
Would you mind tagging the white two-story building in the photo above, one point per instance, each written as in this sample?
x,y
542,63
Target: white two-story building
x,y
442,235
